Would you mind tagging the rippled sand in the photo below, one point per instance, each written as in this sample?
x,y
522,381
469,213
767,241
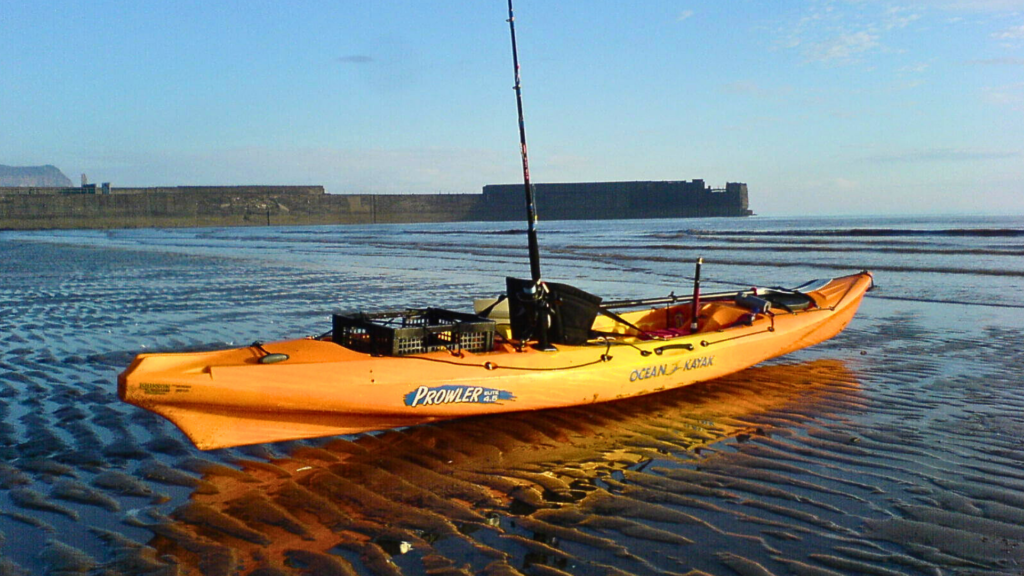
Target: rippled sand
x,y
897,448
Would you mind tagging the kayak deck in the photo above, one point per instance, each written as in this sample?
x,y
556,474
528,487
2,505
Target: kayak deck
x,y
230,397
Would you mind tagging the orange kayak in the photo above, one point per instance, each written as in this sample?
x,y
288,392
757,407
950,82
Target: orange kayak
x,y
310,388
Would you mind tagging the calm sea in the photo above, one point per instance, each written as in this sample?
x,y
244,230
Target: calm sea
x,y
897,447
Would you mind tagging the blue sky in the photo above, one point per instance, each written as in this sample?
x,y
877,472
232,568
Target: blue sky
x,y
822,107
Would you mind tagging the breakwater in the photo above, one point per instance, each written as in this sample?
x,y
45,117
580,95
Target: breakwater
x,y
619,200
27,208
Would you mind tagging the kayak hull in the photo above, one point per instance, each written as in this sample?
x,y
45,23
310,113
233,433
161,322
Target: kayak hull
x,y
228,398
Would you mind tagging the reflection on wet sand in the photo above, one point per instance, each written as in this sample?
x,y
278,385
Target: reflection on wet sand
x,y
625,486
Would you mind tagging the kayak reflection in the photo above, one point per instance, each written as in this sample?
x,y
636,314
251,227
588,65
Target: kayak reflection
x,y
572,489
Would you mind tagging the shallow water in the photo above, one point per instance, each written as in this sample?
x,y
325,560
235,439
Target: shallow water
x,y
896,447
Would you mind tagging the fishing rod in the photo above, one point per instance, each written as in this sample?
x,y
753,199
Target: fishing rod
x,y
538,292
696,296
531,207
636,303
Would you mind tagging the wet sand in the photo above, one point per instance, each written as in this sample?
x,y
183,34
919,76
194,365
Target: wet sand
x,y
896,448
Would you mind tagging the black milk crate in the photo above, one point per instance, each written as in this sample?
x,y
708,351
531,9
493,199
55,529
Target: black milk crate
x,y
414,331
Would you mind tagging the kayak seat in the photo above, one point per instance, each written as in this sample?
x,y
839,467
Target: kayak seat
x,y
712,316
720,315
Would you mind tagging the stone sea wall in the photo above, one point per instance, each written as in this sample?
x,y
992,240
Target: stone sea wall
x,y
221,206
619,200
198,206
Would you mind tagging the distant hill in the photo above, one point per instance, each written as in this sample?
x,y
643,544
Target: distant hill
x,y
33,176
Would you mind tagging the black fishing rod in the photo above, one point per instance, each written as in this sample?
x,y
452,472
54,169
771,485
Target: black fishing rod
x,y
696,296
531,208
539,294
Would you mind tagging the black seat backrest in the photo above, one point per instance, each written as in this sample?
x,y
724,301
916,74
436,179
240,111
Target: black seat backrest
x,y
574,314
572,311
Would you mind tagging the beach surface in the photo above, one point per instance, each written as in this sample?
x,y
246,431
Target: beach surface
x,y
895,448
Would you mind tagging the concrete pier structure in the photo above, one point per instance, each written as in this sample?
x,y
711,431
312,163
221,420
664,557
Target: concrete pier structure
x,y
91,206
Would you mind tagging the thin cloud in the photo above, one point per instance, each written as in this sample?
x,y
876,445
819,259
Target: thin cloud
x,y
838,33
844,47
1011,33
684,15
974,6
897,18
919,68
1010,95
743,87
997,62
755,90
355,59
944,155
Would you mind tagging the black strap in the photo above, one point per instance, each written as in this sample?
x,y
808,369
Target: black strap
x,y
619,319
484,313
